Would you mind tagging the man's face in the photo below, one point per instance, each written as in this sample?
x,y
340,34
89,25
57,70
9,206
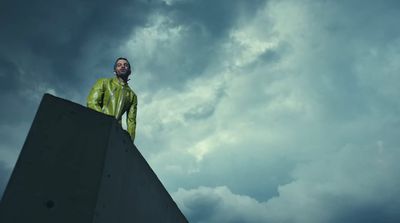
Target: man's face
x,y
122,67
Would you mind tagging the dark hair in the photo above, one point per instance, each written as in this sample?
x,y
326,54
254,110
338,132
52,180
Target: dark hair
x,y
123,58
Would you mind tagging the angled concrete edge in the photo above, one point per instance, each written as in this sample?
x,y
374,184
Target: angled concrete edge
x,y
78,165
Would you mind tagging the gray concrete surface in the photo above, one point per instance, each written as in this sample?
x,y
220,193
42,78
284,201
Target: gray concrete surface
x,y
78,165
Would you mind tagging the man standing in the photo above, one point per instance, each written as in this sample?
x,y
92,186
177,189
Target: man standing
x,y
114,97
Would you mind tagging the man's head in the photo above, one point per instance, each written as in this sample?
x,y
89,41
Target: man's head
x,y
122,68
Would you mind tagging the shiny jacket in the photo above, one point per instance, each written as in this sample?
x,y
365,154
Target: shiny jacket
x,y
114,97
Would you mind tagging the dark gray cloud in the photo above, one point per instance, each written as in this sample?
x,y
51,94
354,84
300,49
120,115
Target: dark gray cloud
x,y
219,204
206,25
216,17
365,212
244,170
54,35
50,46
14,104
329,83
344,33
204,111
9,76
47,45
4,176
340,62
339,187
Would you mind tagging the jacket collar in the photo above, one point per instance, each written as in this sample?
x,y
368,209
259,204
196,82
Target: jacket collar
x,y
118,81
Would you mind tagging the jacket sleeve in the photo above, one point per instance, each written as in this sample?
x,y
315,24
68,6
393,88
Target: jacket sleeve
x,y
131,118
95,97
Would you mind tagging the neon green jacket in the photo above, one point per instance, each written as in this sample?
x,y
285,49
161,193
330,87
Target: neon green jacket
x,y
114,97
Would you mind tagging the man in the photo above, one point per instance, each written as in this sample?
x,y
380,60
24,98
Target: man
x,y
114,97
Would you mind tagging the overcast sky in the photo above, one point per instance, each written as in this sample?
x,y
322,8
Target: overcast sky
x,y
249,111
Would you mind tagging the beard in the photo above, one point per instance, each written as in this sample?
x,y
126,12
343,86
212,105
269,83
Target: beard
x,y
123,75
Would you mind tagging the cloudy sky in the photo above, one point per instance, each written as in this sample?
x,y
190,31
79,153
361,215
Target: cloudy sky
x,y
249,111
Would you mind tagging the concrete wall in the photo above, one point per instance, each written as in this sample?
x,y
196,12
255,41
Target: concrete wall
x,y
78,165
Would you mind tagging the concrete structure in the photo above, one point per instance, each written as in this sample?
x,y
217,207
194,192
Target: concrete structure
x,y
78,165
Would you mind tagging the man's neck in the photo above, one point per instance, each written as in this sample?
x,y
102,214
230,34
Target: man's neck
x,y
122,80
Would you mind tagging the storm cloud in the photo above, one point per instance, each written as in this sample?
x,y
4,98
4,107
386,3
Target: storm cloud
x,y
249,111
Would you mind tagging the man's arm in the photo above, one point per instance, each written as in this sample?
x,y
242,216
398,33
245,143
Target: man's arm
x,y
95,97
131,118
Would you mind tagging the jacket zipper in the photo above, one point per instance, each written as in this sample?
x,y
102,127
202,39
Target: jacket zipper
x,y
111,94
121,102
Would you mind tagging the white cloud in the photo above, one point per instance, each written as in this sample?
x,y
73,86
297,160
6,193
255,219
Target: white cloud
x,y
294,110
218,204
336,186
344,184
296,113
172,2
